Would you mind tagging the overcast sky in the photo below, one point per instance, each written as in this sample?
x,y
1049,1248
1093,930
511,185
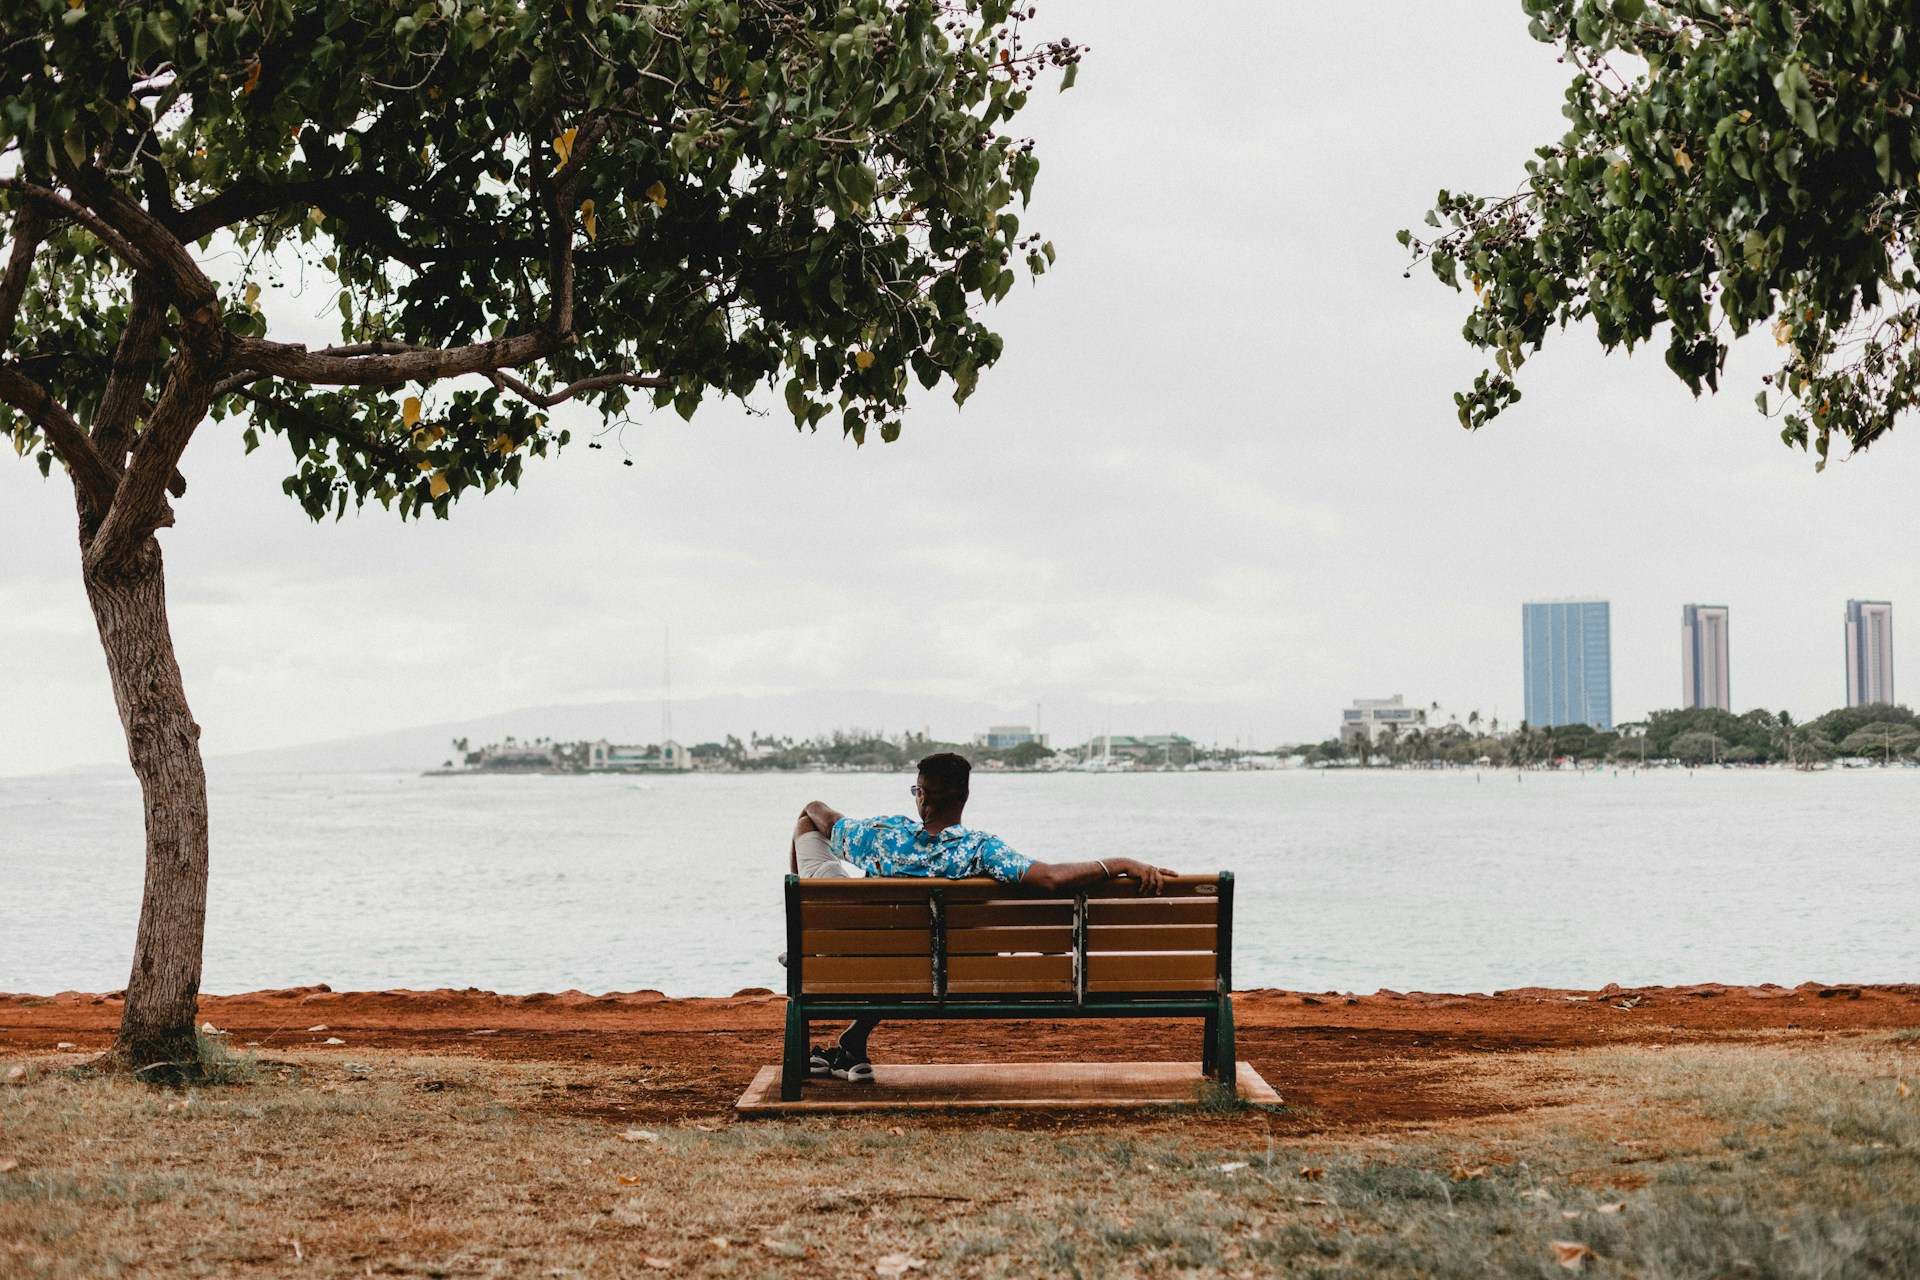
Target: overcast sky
x,y
1214,487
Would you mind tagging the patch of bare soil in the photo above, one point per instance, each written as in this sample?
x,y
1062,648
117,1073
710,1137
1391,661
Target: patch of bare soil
x,y
1340,1061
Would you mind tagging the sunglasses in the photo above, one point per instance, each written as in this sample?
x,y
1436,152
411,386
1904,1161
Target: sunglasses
x,y
915,792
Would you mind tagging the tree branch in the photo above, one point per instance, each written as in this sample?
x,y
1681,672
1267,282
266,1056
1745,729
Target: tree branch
x,y
345,366
29,226
507,381
95,483
167,256
141,506
127,377
47,197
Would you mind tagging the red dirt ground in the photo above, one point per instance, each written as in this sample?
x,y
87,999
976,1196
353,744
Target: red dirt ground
x,y
1340,1061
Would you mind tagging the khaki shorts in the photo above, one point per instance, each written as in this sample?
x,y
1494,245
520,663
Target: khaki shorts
x,y
817,861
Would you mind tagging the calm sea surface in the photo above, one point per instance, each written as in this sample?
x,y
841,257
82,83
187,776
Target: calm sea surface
x,y
1347,880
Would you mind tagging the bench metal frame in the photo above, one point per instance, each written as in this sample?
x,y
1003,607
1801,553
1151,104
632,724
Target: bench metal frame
x,y
1215,1010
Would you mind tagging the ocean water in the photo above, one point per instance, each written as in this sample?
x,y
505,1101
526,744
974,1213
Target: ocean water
x,y
1348,880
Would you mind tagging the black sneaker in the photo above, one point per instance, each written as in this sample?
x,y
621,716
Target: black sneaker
x,y
846,1066
820,1060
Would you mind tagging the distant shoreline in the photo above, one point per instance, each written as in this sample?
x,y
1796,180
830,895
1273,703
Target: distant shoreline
x,y
1650,766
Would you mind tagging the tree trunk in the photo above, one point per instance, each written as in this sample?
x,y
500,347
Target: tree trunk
x,y
163,743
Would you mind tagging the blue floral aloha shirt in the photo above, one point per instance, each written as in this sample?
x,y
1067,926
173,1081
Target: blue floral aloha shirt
x,y
900,846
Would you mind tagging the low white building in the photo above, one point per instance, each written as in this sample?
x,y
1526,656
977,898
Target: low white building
x,y
654,757
1003,737
1372,718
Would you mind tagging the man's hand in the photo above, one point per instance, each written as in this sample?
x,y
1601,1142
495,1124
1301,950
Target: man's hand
x,y
820,817
1151,878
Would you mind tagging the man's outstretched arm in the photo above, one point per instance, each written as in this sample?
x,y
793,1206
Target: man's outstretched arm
x,y
1059,877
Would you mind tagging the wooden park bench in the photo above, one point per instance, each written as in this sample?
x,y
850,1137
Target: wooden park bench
x,y
934,948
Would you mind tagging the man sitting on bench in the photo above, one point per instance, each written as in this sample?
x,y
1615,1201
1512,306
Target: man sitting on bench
x,y
827,843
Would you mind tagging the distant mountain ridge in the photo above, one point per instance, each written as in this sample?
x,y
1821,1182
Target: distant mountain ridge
x,y
708,719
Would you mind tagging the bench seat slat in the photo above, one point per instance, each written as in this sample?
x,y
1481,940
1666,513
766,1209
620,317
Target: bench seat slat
x,y
867,973
866,942
1150,971
1010,973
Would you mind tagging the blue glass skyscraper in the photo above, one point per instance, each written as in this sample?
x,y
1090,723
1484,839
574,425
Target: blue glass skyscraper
x,y
1569,663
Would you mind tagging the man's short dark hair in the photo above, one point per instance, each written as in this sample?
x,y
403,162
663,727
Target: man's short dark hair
x,y
946,775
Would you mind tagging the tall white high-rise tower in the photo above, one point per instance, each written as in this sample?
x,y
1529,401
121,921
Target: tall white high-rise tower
x,y
1703,656
1869,652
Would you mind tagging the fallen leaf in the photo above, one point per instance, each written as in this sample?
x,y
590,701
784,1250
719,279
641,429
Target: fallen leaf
x,y
658,1264
9,1165
785,1248
628,1179
1537,1193
1569,1214
1900,1089
658,194
1310,1200
1617,1207
897,1132
321,1027
16,1073
484,1031
1463,1172
1312,1172
708,1128
639,1135
1570,1253
333,1040
64,1044
1231,1166
898,1264
719,1242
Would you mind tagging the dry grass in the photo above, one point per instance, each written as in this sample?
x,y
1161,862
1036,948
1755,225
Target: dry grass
x,y
1726,1161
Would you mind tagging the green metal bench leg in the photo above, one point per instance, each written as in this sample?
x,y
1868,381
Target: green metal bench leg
x,y
1209,1043
1225,1068
793,1060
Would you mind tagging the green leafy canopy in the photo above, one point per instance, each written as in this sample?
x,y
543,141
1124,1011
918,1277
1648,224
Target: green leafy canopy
x,y
620,203
1727,166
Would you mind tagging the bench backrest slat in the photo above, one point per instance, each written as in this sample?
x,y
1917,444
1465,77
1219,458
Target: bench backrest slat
x,y
865,942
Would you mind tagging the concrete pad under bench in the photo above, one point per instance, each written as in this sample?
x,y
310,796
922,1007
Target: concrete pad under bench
x,y
984,1086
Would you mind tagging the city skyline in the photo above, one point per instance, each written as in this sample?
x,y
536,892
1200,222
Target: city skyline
x,y
1567,656
1704,679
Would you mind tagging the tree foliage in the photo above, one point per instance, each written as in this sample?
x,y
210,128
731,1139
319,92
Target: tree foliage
x,y
620,203
1727,166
